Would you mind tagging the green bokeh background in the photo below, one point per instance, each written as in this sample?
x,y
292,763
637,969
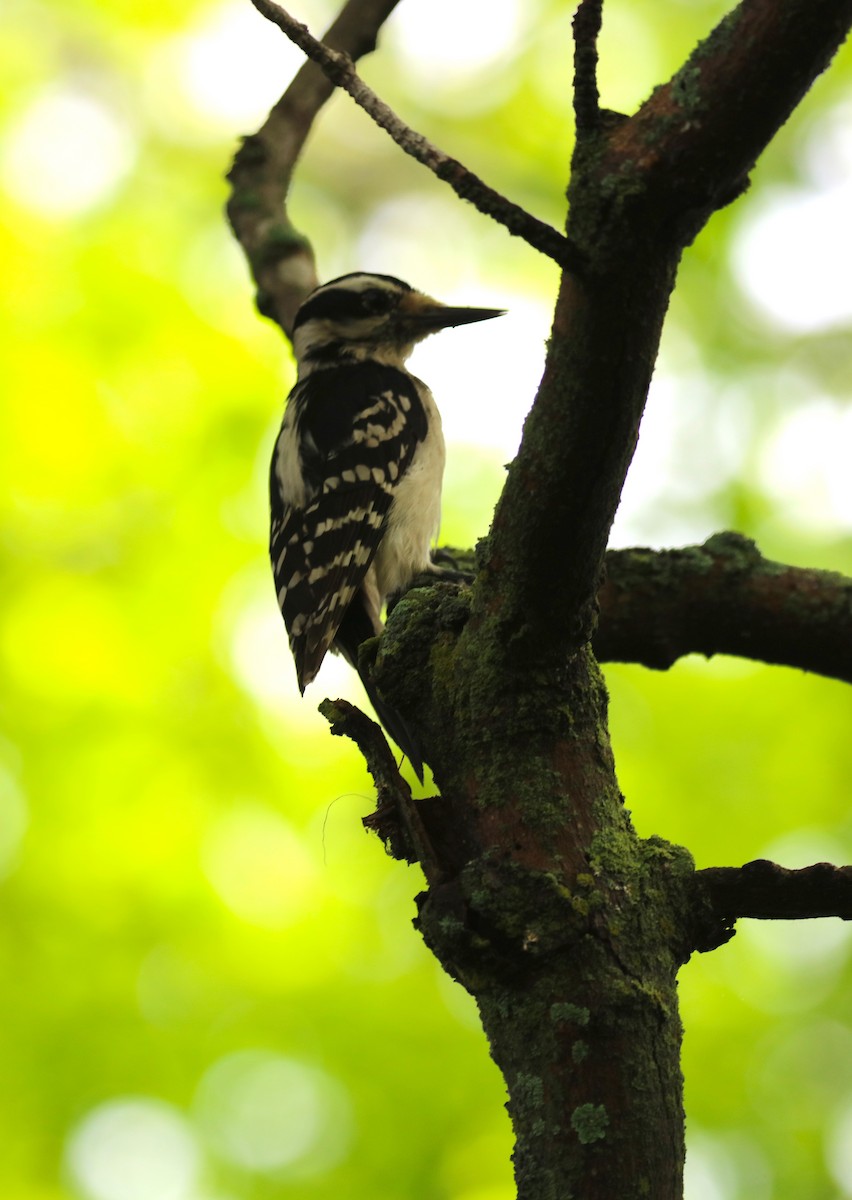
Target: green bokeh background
x,y
211,989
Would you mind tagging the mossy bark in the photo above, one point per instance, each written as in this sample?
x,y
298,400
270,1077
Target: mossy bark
x,y
564,925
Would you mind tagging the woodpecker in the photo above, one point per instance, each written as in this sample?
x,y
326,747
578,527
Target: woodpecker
x,y
355,481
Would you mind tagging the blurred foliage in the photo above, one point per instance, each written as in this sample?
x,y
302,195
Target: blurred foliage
x,y
211,987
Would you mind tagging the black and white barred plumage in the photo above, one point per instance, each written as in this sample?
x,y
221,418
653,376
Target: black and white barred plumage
x,y
355,484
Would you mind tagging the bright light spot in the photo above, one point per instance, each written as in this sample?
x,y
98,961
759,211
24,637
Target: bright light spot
x,y
630,59
692,441
725,1165
804,463
14,819
259,652
784,967
251,642
793,257
486,375
65,154
803,944
390,242
253,639
838,1150
230,68
259,867
818,1055
708,1175
267,1113
652,470
441,41
803,848
812,946
133,1149
827,155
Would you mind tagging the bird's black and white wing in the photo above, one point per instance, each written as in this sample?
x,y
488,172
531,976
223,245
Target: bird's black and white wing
x,y
347,440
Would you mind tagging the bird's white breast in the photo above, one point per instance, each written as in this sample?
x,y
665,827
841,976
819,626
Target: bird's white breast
x,y
415,514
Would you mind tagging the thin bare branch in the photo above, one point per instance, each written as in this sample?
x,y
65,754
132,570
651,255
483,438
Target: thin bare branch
x,y
339,69
398,820
587,26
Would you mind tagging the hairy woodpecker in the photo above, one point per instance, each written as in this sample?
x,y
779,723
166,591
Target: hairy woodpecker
x,y
355,484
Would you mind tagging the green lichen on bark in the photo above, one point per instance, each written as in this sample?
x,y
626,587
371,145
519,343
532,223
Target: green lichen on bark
x,y
590,1122
580,1051
563,1011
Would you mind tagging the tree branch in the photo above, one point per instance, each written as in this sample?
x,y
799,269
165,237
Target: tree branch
x,y
281,258
339,70
587,26
766,891
640,190
722,108
723,598
404,825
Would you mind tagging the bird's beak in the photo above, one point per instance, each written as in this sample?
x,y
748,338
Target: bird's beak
x,y
421,314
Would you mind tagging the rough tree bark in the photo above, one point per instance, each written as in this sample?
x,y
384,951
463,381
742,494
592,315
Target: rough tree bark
x,y
567,928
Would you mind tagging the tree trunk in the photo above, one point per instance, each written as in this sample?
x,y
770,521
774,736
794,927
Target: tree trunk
x,y
566,928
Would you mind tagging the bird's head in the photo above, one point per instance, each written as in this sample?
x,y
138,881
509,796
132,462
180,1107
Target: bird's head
x,y
361,316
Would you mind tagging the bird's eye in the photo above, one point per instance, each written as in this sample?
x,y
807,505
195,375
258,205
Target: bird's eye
x,y
376,300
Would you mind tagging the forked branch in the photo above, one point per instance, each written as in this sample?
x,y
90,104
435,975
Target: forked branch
x,y
640,191
339,69
281,259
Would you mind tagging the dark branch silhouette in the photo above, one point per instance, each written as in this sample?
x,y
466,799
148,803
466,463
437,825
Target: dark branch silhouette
x,y
587,26
723,598
764,890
